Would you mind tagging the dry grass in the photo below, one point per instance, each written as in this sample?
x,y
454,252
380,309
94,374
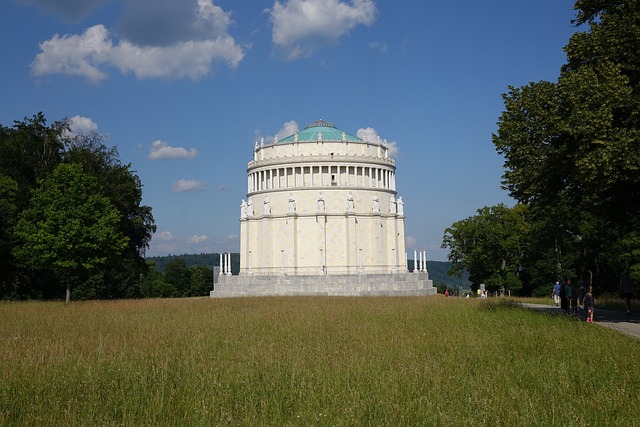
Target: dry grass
x,y
301,361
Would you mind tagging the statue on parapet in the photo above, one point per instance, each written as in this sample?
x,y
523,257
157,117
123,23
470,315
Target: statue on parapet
x,y
375,204
250,207
266,206
243,210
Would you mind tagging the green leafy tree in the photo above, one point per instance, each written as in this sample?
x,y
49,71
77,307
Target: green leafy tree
x,y
29,153
154,286
490,246
178,275
572,151
124,190
8,218
69,228
201,281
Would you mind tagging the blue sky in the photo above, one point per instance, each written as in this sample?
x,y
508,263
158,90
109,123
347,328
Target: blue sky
x,y
185,88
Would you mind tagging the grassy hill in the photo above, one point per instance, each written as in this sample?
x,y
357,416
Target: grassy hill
x,y
437,269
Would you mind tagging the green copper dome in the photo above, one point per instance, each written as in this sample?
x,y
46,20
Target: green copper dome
x,y
321,130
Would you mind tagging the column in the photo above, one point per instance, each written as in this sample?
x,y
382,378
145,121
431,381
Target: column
x,y
221,266
424,265
415,261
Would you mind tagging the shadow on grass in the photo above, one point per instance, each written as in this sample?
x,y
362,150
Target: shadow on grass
x,y
493,304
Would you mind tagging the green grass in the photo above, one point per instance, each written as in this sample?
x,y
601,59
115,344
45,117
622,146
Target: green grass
x,y
311,361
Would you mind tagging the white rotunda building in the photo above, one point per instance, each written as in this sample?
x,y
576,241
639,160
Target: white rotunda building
x,y
322,217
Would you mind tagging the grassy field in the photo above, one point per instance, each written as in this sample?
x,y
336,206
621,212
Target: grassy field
x,y
311,361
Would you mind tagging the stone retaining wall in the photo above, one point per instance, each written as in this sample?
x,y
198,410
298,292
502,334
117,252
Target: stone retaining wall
x,y
400,284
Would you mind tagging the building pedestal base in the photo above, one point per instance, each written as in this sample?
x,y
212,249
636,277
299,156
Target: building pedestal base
x,y
399,284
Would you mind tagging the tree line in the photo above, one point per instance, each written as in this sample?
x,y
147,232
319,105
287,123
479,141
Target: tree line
x,y
71,217
572,164
188,275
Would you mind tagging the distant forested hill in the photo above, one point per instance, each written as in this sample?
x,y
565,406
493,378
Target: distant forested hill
x,y
191,260
437,269
438,273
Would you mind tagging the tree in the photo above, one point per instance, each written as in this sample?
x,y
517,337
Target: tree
x,y
69,228
154,286
177,274
572,148
30,151
490,246
8,218
124,190
201,280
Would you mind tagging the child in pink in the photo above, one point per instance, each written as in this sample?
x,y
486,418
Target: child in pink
x,y
589,304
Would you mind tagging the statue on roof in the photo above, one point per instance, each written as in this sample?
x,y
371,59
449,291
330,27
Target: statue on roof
x,y
350,206
250,207
266,206
243,210
292,203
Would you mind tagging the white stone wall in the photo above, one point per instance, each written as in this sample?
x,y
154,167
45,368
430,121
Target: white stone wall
x,y
293,235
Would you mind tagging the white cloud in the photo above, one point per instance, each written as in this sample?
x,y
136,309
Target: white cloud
x,y
79,125
393,149
302,26
221,187
188,185
92,54
164,235
382,47
289,128
410,242
371,135
195,239
160,150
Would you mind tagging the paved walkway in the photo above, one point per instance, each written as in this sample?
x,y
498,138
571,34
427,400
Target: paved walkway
x,y
613,319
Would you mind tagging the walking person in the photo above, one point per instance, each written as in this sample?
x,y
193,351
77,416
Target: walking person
x,y
556,293
626,291
563,295
571,294
589,304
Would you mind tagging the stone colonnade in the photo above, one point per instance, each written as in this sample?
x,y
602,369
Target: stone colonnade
x,y
338,175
